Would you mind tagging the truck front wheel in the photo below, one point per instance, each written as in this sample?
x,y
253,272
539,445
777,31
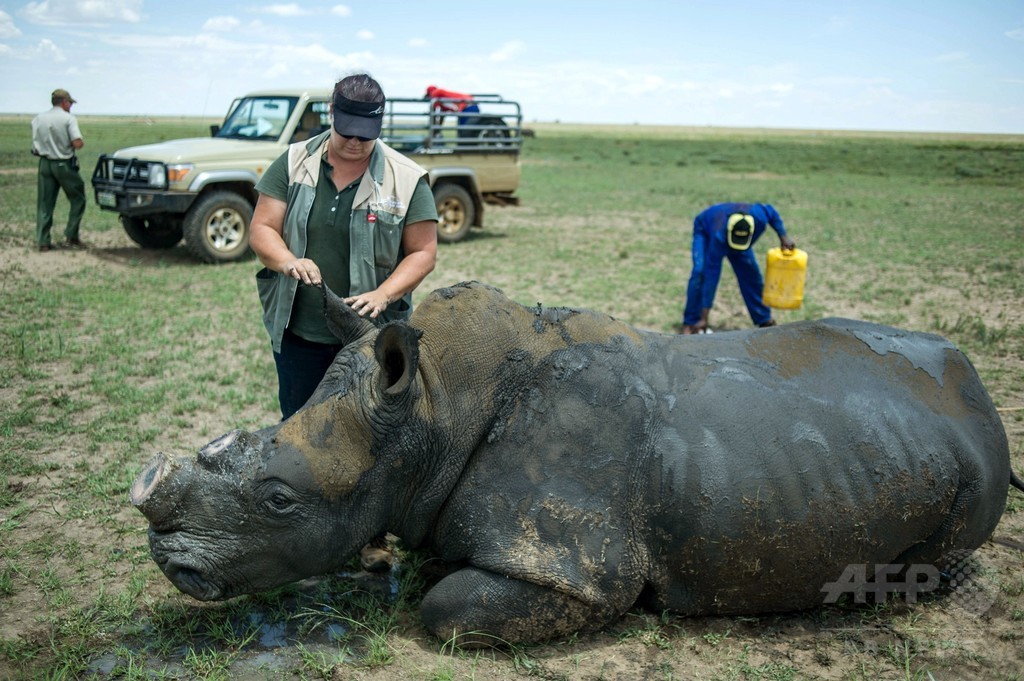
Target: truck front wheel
x,y
217,227
455,211
152,232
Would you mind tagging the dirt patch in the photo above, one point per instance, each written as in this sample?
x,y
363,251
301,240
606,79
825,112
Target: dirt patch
x,y
107,249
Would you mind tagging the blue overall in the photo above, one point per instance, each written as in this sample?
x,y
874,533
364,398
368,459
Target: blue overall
x,y
711,245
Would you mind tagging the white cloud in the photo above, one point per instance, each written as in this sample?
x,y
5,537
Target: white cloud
x,y
305,54
7,27
418,42
47,49
221,24
507,51
364,34
1015,34
62,12
306,64
341,11
289,10
277,70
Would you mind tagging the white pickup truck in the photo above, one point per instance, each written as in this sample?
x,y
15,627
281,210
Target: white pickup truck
x,y
202,189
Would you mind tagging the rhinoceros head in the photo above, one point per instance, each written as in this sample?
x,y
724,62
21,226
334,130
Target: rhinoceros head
x,y
256,510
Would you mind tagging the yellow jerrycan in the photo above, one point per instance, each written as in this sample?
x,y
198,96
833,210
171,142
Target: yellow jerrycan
x,y
784,278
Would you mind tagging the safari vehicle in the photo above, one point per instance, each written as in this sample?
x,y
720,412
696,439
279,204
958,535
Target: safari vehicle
x,y
202,190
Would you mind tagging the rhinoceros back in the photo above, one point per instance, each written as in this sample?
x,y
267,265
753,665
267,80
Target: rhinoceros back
x,y
737,472
819,445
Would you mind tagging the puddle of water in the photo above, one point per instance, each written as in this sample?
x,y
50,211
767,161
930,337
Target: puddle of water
x,y
274,629
274,635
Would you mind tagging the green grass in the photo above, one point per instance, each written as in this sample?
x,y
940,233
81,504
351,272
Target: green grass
x,y
122,353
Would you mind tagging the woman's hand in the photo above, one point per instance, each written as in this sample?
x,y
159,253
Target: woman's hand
x,y
303,269
371,303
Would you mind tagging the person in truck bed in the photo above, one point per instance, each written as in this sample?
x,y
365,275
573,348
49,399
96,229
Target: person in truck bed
x,y
461,103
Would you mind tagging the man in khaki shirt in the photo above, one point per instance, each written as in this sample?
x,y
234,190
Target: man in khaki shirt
x,y
55,139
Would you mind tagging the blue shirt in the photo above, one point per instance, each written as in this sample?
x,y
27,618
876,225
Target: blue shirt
x,y
712,221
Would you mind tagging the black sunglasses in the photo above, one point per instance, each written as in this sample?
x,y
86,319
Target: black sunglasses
x,y
361,139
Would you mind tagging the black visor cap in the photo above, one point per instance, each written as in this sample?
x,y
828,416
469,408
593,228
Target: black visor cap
x,y
358,119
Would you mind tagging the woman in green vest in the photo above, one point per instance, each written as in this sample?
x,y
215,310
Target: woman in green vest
x,y
345,209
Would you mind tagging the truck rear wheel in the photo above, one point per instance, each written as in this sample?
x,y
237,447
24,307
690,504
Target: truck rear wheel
x,y
153,232
496,129
217,227
455,211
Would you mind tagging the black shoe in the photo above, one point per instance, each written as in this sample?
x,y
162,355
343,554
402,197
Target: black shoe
x,y
74,243
770,322
43,248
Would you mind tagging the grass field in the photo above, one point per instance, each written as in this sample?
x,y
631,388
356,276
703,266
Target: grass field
x,y
112,354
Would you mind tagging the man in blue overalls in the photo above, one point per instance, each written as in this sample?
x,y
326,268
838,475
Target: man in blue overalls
x,y
729,230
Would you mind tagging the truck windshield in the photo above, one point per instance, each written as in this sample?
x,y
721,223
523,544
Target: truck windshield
x,y
258,118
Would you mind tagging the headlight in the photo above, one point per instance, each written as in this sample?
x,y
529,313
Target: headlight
x,y
157,175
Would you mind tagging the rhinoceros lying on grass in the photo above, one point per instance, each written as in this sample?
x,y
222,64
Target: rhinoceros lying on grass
x,y
573,465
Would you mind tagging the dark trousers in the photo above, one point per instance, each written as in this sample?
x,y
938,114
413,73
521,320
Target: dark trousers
x,y
54,176
301,365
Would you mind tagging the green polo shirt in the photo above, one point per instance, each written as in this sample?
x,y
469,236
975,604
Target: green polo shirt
x,y
327,240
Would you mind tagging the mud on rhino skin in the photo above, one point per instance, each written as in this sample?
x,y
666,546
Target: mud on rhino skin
x,y
574,466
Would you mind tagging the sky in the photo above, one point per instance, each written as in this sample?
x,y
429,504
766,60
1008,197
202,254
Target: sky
x,y
899,65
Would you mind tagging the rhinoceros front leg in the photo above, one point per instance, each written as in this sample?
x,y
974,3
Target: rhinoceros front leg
x,y
474,605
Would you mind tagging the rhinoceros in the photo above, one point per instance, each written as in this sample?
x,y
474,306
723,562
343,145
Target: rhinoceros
x,y
570,466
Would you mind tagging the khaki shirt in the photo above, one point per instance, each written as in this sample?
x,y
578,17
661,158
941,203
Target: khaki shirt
x,y
52,134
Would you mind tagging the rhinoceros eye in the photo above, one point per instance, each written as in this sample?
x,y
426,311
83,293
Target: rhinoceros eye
x,y
278,501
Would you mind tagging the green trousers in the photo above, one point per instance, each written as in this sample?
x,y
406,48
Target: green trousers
x,y
54,176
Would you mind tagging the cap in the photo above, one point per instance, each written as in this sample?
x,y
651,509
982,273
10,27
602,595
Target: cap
x,y
358,119
61,93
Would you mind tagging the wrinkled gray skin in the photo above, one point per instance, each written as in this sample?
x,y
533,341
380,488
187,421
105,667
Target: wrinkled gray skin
x,y
571,466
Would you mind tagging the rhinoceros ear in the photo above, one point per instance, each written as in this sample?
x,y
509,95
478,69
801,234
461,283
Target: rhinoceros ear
x,y
398,354
342,320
